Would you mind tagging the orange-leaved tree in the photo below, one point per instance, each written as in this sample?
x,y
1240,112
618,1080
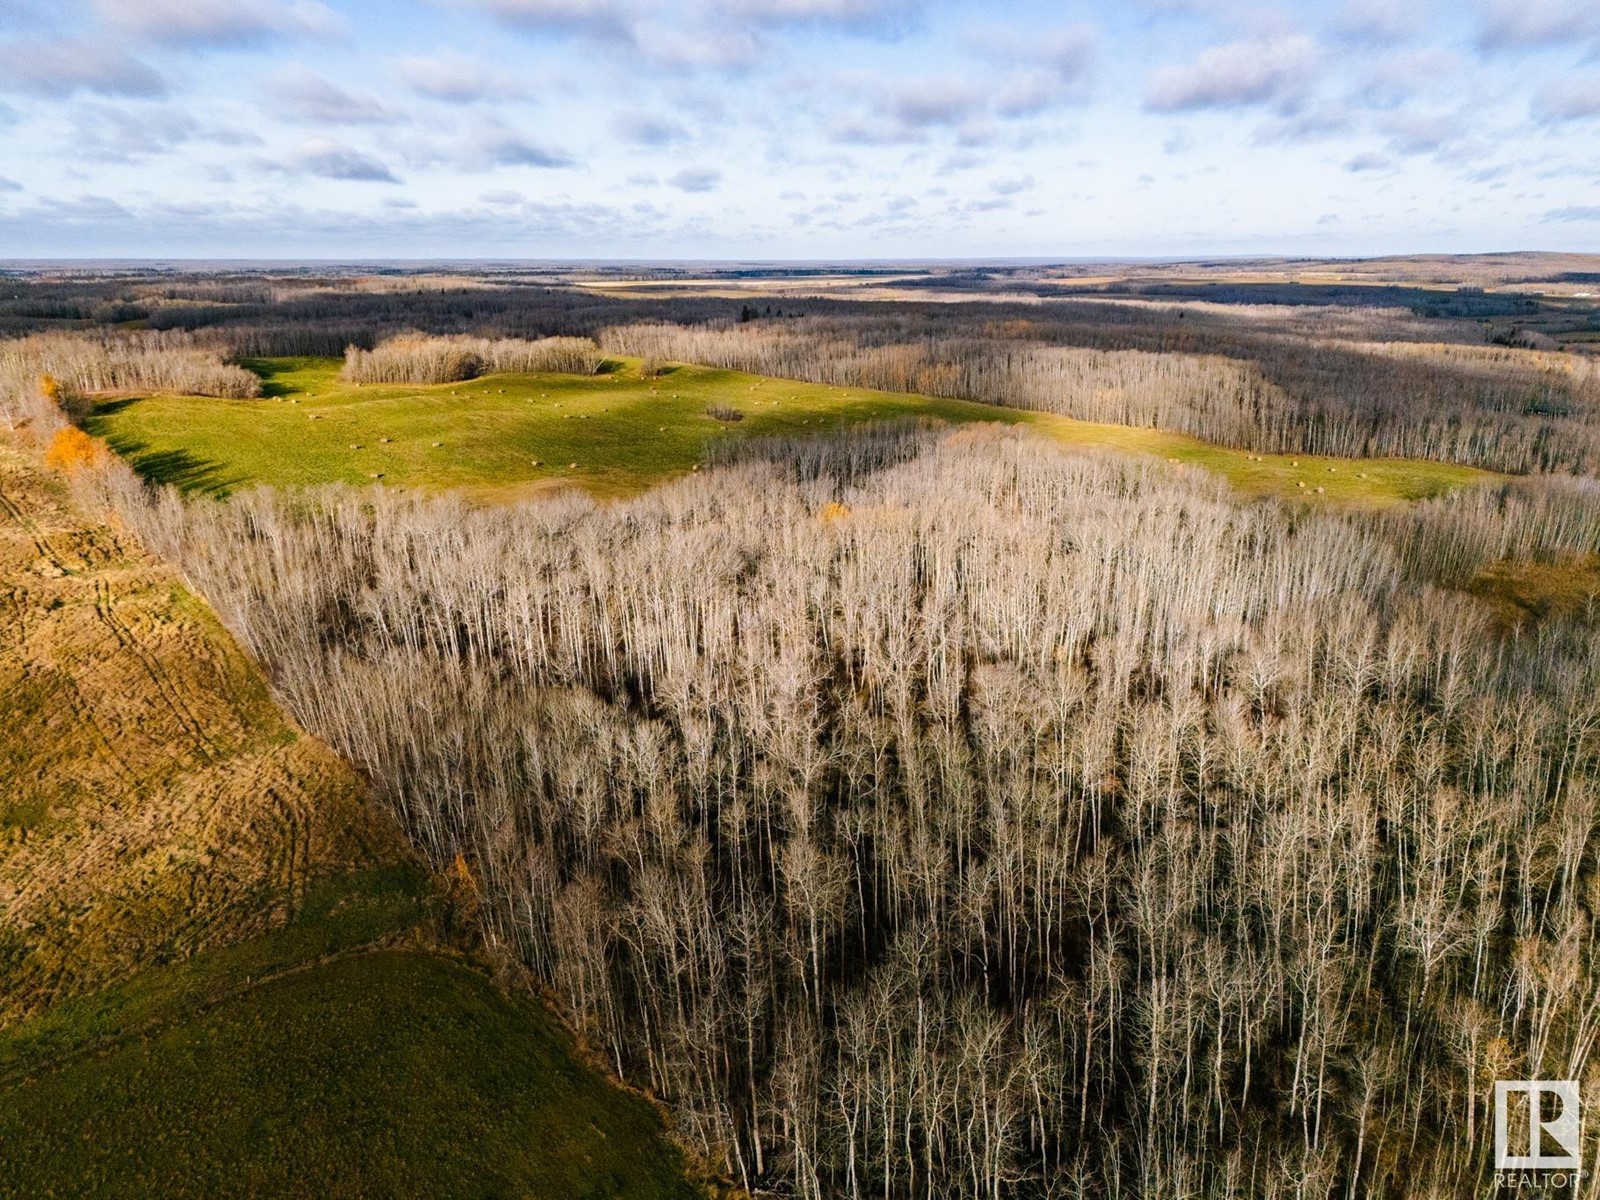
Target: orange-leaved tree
x,y
73,450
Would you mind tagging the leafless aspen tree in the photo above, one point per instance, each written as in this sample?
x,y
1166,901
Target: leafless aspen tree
x,y
947,815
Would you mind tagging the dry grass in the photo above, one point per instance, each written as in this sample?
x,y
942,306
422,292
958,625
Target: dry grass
x,y
1521,593
153,799
220,964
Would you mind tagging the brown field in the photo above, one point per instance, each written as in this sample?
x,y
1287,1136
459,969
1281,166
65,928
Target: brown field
x,y
153,800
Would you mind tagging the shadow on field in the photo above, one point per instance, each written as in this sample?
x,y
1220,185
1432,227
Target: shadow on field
x,y
185,471
268,370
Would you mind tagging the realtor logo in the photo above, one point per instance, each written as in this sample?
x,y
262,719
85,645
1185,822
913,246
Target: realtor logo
x,y
1545,1120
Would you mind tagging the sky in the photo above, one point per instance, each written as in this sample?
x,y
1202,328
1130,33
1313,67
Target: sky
x,y
795,129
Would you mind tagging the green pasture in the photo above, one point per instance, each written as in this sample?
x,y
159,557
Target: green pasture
x,y
505,436
332,1058
499,436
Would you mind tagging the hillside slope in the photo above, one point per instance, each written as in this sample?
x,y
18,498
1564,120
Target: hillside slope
x,y
220,965
153,799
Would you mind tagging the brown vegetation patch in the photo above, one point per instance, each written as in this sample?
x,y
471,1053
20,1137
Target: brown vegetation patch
x,y
153,800
418,359
1521,593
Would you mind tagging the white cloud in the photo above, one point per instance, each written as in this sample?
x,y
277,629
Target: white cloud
x,y
1275,72
507,149
649,129
696,179
1012,187
831,12
1368,161
682,47
601,18
925,102
1571,100
710,35
84,208
1422,133
334,160
454,78
302,95
1382,21
1391,79
1047,68
219,22
1519,24
113,134
62,67
488,146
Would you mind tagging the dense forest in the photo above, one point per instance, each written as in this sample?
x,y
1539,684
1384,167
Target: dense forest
x,y
951,816
932,813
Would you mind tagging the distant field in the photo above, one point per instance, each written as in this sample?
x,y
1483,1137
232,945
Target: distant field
x,y
622,431
506,436
1363,481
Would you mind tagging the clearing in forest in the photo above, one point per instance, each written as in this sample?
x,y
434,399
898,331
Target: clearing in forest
x,y
218,961
501,437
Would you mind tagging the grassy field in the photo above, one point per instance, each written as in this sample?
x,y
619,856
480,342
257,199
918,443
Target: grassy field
x,y
393,1073
1318,480
506,436
220,966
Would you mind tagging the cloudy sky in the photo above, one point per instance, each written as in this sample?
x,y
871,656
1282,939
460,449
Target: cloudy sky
x,y
795,128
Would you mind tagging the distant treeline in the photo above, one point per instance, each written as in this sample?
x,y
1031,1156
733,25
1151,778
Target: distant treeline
x,y
1498,407
1467,302
953,816
299,313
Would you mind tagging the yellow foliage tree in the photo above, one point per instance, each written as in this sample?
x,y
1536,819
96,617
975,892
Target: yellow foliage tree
x,y
466,897
464,878
72,450
50,388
